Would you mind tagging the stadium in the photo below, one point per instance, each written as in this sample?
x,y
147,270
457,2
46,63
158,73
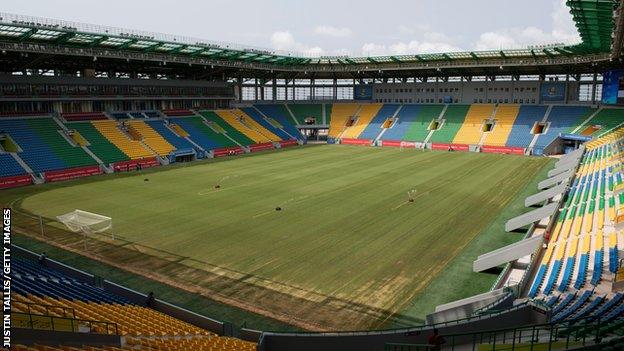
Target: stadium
x,y
165,192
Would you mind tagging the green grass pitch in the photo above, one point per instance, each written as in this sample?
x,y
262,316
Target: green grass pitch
x,y
347,250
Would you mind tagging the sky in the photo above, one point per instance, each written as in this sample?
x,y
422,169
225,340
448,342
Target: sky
x,y
330,28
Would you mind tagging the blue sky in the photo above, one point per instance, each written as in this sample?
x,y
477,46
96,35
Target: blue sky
x,y
324,27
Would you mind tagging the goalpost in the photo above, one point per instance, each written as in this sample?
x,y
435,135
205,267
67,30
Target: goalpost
x,y
86,222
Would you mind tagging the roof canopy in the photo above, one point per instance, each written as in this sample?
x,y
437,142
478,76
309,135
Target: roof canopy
x,y
594,20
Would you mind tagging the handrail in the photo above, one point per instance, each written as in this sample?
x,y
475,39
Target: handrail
x,y
48,307
407,347
409,329
43,322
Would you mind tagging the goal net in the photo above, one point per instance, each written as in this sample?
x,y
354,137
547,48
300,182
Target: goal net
x,y
86,222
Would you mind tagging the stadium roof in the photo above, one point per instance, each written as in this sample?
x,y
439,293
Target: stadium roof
x,y
597,21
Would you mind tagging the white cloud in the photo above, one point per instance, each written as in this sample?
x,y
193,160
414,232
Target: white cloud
x,y
372,49
285,41
332,31
563,31
432,42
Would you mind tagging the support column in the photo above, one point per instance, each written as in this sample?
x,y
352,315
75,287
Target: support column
x,y
256,90
594,83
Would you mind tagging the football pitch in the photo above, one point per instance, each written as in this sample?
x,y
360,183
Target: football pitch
x,y
347,250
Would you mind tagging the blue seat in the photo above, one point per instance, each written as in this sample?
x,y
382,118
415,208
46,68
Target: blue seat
x,y
567,274
520,135
613,259
561,305
598,262
406,116
604,309
36,152
552,279
564,313
278,114
196,135
561,119
539,278
374,127
581,276
9,167
32,278
175,140
256,116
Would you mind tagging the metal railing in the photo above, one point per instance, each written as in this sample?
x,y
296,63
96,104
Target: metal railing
x,y
407,347
67,312
42,322
543,337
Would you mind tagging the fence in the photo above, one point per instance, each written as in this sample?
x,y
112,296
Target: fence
x,y
51,323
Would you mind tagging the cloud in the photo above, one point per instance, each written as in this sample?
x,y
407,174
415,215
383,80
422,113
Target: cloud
x,y
563,31
332,31
431,42
285,41
422,38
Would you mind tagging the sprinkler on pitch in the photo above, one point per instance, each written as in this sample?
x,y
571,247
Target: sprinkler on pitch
x,y
278,208
217,186
146,180
410,194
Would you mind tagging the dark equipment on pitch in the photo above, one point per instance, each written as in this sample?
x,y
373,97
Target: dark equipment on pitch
x,y
217,186
278,208
411,200
146,180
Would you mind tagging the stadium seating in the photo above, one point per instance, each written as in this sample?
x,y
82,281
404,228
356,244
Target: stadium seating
x,y
177,141
303,112
98,144
40,293
246,125
579,241
173,113
150,137
44,148
132,148
283,117
84,116
606,119
340,115
454,118
562,119
419,128
365,116
9,167
202,134
271,125
471,131
375,126
405,117
224,127
520,134
504,120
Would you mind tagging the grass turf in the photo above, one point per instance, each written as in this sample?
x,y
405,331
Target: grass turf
x,y
346,251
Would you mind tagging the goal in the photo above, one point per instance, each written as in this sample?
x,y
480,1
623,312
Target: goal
x,y
86,222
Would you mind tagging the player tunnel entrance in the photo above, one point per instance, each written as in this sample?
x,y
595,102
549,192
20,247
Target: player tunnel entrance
x,y
435,124
488,126
7,144
539,128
